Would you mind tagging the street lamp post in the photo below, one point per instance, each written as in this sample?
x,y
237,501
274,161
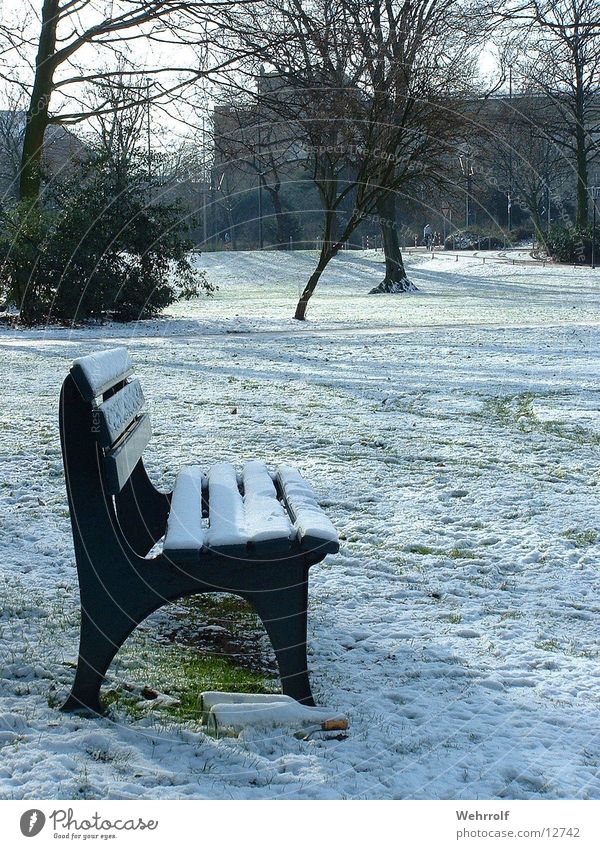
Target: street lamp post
x,y
260,188
594,196
260,211
466,166
510,151
446,211
148,130
204,187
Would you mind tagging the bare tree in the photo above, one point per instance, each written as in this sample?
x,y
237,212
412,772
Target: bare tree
x,y
373,88
527,164
419,66
61,151
262,148
120,124
560,59
74,35
11,140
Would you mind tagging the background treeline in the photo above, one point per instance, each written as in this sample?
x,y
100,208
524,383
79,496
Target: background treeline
x,y
133,134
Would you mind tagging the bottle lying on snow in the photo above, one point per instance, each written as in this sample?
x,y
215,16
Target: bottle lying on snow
x,y
228,714
210,698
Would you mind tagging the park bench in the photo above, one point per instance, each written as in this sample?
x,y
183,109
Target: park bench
x,y
254,534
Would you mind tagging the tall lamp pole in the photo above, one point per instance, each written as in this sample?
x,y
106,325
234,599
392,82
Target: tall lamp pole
x,y
260,212
594,196
260,187
148,134
204,185
446,211
466,166
510,151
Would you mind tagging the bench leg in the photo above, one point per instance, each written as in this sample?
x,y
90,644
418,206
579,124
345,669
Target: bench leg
x,y
98,645
284,615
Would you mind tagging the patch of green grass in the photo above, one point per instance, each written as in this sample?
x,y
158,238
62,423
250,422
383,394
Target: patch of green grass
x,y
455,618
218,605
518,410
461,554
547,645
582,538
453,554
184,673
188,658
213,673
569,649
498,407
420,549
123,700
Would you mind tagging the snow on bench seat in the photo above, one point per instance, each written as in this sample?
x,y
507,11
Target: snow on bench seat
x,y
255,523
185,531
266,518
312,525
95,373
226,519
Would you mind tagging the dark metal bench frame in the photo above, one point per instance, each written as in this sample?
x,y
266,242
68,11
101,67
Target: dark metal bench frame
x,y
119,586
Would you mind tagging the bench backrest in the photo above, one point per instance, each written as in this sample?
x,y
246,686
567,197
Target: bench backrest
x,y
120,425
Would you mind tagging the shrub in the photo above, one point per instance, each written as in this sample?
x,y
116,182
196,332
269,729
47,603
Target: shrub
x,y
98,254
472,240
573,245
522,233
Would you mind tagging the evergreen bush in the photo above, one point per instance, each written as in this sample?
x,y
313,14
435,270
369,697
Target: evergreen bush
x,y
97,253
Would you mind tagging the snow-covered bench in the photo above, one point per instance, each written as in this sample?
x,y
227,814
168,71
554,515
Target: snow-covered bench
x,y
254,534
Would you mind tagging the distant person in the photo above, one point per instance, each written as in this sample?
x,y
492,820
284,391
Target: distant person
x,y
427,235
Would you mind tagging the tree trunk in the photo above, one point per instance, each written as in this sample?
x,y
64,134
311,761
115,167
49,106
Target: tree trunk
x,y
538,226
232,233
281,235
37,114
395,279
328,251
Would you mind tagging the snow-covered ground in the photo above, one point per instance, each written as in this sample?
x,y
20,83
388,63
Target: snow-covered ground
x,y
453,437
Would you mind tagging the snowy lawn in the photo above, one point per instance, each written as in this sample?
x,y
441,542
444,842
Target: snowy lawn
x,y
453,438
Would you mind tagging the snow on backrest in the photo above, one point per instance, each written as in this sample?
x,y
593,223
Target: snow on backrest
x,y
117,412
96,373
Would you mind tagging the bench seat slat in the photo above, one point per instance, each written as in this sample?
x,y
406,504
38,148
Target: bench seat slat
x,y
313,527
117,412
121,460
227,525
266,518
256,523
185,531
96,373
